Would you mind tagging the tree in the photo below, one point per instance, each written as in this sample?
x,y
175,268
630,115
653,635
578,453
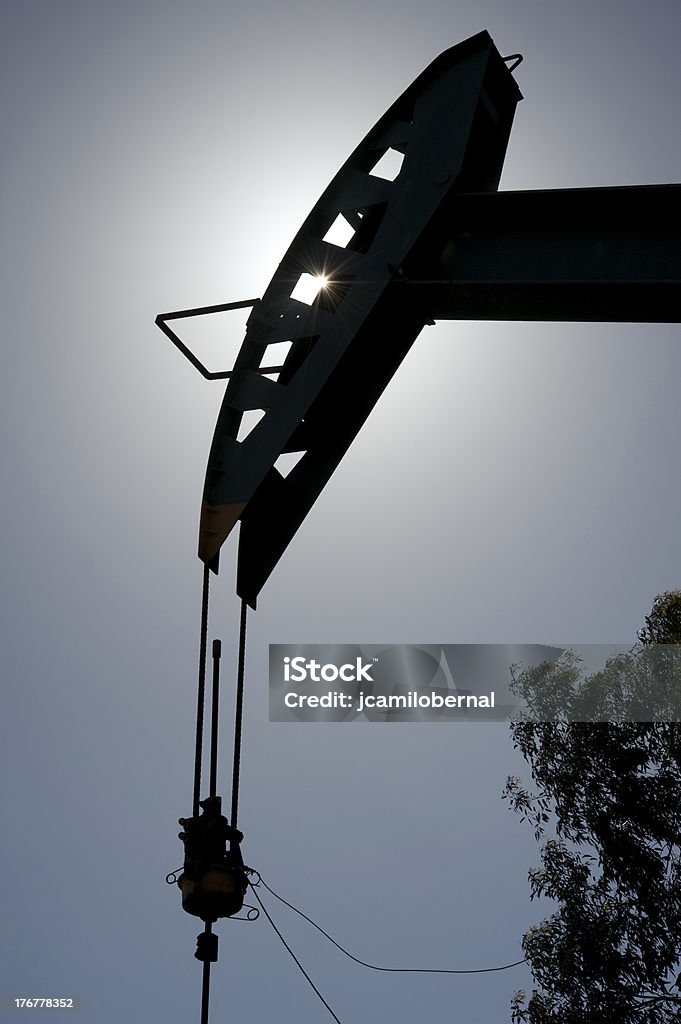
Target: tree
x,y
607,813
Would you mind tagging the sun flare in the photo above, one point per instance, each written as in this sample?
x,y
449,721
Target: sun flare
x,y
308,287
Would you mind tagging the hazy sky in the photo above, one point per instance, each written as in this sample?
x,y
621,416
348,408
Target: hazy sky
x,y
160,155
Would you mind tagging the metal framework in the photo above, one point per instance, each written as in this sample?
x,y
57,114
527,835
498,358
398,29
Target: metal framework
x,y
435,242
433,239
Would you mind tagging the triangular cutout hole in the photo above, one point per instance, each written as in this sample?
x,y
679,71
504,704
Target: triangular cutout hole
x,y
249,421
288,461
389,165
340,232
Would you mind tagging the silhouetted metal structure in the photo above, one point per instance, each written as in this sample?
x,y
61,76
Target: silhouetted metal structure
x,y
431,239
437,242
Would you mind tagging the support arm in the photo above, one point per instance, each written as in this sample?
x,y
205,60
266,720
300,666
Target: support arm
x,y
587,254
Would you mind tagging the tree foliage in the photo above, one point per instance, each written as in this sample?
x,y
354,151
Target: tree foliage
x,y
606,810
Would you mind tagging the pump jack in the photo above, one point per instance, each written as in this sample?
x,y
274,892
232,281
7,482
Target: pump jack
x,y
434,241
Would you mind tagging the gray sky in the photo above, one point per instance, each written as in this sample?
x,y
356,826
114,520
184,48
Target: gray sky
x,y
162,155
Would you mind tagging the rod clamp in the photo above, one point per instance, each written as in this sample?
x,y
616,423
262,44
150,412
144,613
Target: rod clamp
x,y
213,882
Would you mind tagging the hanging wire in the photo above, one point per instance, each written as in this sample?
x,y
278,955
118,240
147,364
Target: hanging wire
x,y
293,956
373,967
201,696
238,715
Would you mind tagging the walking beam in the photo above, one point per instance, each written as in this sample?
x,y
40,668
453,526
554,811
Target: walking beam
x,y
586,254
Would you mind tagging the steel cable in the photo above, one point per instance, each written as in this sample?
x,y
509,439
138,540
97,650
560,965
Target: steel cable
x,y
201,696
238,715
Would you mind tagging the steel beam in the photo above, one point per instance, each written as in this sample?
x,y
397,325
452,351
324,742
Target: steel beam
x,y
430,240
587,254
